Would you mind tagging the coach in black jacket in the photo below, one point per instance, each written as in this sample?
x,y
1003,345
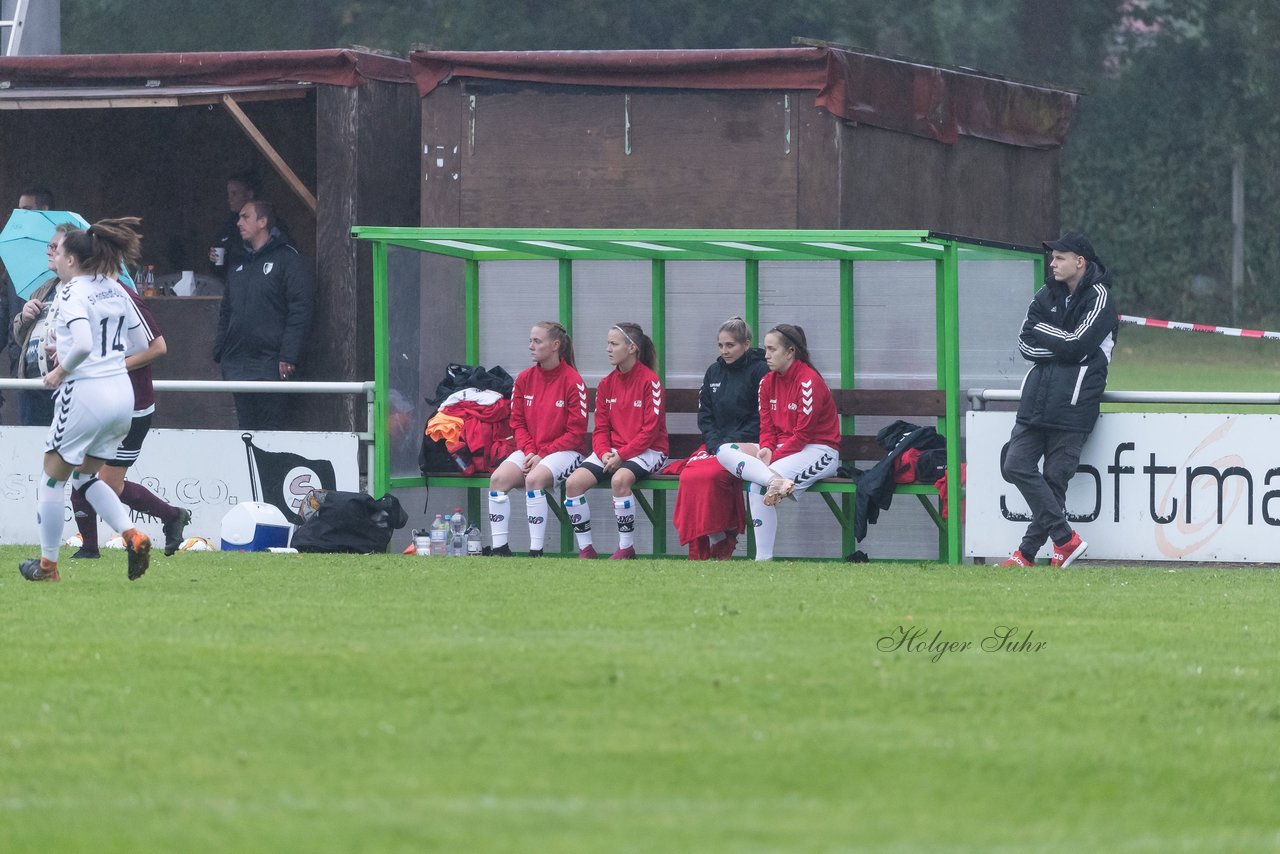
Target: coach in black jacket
x,y
1068,336
265,317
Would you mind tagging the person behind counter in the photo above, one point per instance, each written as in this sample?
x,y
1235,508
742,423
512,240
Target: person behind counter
x,y
228,249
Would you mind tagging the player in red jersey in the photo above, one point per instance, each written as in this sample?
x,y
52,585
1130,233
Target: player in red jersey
x,y
799,433
549,422
629,442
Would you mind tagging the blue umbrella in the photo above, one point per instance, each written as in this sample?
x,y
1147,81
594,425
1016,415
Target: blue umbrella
x,y
24,243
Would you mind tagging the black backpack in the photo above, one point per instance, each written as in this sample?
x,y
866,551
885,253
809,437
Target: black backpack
x,y
457,377
348,522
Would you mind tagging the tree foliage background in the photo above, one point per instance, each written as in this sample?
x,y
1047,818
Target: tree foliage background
x,y
1171,88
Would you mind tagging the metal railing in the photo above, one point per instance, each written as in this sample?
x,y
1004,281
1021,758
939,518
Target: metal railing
x,y
980,397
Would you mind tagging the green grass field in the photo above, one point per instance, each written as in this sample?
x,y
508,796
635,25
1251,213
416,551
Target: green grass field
x,y
230,702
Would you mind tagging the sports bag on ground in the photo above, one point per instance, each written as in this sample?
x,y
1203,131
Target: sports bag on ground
x,y
348,522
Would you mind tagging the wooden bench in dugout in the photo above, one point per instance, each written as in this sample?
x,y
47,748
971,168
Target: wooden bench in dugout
x,y
837,492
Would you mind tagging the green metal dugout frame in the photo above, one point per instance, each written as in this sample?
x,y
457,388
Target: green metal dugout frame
x,y
658,246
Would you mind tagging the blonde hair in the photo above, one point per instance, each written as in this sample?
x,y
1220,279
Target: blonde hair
x,y
557,332
738,328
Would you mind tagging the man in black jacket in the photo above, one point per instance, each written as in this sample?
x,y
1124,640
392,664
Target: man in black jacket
x,y
1068,336
265,317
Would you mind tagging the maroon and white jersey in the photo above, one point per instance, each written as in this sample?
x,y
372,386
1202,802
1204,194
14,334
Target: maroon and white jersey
x,y
631,413
549,410
144,395
796,409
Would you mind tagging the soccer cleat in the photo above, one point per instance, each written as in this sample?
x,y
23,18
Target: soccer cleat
x,y
503,550
39,569
85,554
138,546
1066,554
173,531
779,488
589,553
535,553
629,553
724,549
1018,559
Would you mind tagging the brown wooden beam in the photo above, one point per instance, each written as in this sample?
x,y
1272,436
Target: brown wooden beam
x,y
268,151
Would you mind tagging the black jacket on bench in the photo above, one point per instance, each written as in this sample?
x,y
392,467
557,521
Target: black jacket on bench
x,y
875,487
729,402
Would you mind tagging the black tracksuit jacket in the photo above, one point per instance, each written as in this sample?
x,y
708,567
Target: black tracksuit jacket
x,y
1063,339
729,403
266,313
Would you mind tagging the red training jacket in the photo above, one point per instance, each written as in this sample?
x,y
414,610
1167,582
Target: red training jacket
x,y
549,410
631,413
796,409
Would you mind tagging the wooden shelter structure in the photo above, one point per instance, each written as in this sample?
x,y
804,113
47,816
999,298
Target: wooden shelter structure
x,y
333,132
808,137
793,138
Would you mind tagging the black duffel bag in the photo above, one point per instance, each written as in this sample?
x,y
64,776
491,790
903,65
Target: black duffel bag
x,y
348,522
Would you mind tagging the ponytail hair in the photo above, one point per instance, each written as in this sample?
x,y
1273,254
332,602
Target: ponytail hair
x,y
645,352
106,246
738,329
793,337
558,333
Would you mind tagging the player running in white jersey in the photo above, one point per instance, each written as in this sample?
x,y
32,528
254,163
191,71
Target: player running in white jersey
x,y
96,327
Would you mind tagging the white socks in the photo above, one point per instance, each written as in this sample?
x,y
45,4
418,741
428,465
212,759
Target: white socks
x,y
536,501
499,517
108,505
744,466
765,520
50,498
580,517
625,509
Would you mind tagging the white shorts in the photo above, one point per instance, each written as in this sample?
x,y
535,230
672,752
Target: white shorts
x,y
641,465
808,466
91,417
561,463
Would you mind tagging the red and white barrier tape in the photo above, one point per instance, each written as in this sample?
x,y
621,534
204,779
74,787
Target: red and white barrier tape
x,y
1199,327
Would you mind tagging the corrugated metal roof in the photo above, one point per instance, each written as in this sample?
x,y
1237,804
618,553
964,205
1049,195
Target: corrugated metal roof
x,y
896,94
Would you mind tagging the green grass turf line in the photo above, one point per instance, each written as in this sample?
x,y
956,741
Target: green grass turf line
x,y
231,702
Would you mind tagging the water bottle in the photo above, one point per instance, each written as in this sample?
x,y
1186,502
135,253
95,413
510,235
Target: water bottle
x,y
422,542
439,540
473,542
457,534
